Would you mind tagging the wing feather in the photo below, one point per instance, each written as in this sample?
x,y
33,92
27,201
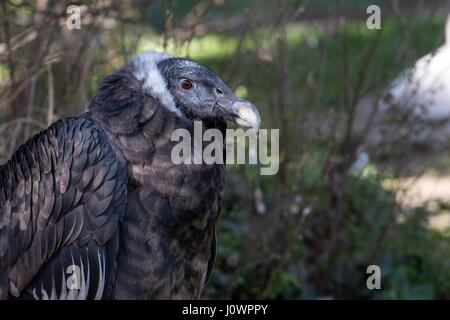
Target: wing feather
x,y
61,197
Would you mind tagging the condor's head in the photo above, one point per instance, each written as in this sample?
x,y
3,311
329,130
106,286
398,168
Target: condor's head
x,y
189,89
200,94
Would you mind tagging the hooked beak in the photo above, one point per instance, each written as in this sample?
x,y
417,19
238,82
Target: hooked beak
x,y
244,114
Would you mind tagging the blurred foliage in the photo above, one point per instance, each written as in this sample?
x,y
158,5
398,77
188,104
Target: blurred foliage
x,y
305,65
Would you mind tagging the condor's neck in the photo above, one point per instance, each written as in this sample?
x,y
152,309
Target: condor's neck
x,y
185,195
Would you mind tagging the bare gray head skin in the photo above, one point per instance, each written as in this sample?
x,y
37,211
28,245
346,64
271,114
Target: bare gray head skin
x,y
200,94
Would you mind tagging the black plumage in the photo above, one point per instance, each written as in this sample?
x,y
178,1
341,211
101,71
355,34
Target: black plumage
x,y
100,191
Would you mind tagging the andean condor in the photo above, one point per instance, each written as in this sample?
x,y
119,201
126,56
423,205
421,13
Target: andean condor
x,y
99,191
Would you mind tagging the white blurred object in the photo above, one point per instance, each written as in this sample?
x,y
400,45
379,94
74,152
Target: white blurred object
x,y
426,86
361,162
259,201
264,53
312,41
307,211
294,208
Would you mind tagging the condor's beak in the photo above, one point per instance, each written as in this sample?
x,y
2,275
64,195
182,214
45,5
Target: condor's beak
x,y
241,112
245,114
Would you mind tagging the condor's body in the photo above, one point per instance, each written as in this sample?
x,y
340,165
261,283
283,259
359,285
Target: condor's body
x,y
100,192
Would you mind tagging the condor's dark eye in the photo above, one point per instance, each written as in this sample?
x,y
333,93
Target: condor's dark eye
x,y
186,84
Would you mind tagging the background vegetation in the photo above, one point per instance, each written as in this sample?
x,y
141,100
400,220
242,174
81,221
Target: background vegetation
x,y
315,71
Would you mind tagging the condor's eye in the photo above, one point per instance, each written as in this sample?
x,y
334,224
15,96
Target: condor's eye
x,y
186,84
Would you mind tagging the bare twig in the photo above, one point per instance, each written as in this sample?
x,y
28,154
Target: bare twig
x,y
51,95
30,105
